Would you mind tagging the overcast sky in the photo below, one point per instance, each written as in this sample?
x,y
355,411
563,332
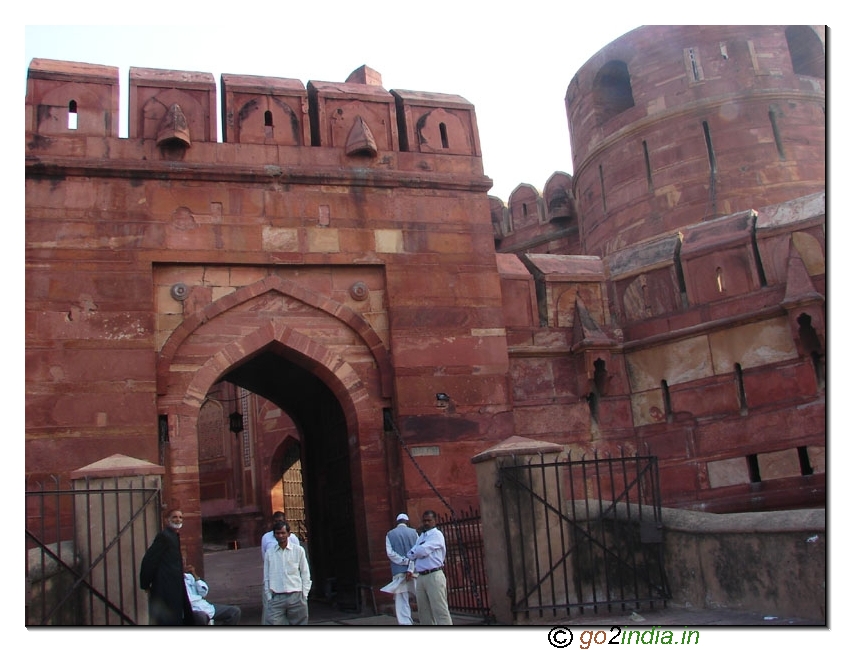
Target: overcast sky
x,y
515,72
513,61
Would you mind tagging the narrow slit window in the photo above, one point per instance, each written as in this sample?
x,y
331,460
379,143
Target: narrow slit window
x,y
593,403
268,118
777,137
718,276
753,466
602,186
711,160
811,344
648,167
524,210
711,207
692,59
817,362
72,115
444,135
805,463
665,393
739,385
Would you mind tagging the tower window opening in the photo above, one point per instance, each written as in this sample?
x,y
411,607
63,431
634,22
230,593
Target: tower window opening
x,y
739,385
268,119
718,276
612,90
524,210
806,49
72,115
444,135
777,138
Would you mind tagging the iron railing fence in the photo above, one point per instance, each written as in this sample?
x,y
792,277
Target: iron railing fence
x,y
83,546
583,535
465,576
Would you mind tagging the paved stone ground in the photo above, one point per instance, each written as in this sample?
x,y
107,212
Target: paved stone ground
x,y
235,578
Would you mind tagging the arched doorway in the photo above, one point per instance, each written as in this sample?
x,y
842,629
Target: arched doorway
x,y
323,367
322,452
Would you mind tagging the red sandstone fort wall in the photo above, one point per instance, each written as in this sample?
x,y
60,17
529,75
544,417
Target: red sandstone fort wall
x,y
345,228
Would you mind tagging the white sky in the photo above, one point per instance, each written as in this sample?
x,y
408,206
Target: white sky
x,y
513,61
513,66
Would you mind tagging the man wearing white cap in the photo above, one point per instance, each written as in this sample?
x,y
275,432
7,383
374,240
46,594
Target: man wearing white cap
x,y
399,541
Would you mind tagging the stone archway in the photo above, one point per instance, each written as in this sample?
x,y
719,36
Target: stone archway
x,y
272,328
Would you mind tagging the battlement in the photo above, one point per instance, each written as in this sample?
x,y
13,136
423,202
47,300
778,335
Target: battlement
x,y
171,117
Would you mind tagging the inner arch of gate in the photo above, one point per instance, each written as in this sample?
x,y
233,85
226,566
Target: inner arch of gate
x,y
323,373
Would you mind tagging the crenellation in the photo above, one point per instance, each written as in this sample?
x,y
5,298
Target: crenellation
x,y
172,112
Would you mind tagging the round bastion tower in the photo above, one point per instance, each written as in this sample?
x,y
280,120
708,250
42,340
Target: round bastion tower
x,y
674,125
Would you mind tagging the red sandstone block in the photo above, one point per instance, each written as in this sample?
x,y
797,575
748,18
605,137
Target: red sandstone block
x,y
670,442
569,420
45,454
702,398
772,385
614,413
532,379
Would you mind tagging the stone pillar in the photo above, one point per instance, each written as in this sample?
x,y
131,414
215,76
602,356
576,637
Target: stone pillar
x,y
501,563
116,517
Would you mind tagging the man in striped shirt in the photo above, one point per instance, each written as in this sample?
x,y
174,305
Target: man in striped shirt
x,y
286,580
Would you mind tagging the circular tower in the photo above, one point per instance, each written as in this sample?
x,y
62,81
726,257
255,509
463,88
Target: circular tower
x,y
673,125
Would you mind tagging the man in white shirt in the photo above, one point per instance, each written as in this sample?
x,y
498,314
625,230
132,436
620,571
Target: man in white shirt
x,y
429,555
286,581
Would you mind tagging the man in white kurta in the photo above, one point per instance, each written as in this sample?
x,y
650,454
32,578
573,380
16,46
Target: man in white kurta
x,y
286,581
398,542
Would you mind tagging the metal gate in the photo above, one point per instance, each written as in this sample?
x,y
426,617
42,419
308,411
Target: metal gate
x,y
84,544
466,581
583,535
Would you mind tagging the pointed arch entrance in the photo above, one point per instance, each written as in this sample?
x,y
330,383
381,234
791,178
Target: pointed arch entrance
x,y
325,368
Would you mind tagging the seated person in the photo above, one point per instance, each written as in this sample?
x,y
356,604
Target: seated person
x,y
207,613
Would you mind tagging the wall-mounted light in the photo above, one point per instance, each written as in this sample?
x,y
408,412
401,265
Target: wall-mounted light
x,y
442,400
236,424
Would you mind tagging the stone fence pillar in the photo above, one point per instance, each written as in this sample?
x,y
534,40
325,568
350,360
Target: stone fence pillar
x,y
116,517
498,521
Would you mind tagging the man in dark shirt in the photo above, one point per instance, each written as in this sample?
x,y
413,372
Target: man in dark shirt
x,y
161,575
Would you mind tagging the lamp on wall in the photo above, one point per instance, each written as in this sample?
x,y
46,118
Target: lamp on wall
x,y
236,425
442,400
